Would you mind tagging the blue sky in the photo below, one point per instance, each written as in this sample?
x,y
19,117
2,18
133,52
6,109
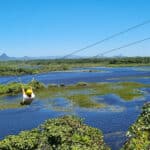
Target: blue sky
x,y
58,27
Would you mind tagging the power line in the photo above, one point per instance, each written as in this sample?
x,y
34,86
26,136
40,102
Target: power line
x,y
124,46
108,38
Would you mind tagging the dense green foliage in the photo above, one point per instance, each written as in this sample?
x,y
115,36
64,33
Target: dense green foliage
x,y
26,67
40,66
65,133
105,60
139,132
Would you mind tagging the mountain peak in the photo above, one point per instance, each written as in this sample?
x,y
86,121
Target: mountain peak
x,y
4,54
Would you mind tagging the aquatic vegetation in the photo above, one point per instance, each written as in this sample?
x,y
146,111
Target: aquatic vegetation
x,y
84,101
15,87
11,88
81,94
79,97
139,132
126,90
63,133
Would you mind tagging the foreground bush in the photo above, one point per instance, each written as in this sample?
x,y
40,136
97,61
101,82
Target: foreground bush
x,y
139,132
65,133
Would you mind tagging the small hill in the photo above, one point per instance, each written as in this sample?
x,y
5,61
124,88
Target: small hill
x,y
4,57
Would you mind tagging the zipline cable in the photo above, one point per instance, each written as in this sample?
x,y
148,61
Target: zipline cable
x,y
121,47
108,38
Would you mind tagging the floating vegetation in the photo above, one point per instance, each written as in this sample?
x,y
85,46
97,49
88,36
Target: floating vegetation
x,y
81,94
126,90
63,133
85,101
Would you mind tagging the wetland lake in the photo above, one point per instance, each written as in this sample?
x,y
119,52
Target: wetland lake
x,y
109,99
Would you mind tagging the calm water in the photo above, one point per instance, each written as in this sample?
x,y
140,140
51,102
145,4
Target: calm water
x,y
101,74
113,120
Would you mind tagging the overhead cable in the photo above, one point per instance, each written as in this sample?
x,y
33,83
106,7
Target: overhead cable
x,y
108,38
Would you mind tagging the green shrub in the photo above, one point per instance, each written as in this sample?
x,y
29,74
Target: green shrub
x,y
65,133
139,132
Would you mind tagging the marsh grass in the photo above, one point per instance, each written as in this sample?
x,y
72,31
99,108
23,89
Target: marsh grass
x,y
84,101
78,96
125,90
83,94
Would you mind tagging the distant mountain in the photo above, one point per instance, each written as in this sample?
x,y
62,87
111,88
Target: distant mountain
x,y
5,57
